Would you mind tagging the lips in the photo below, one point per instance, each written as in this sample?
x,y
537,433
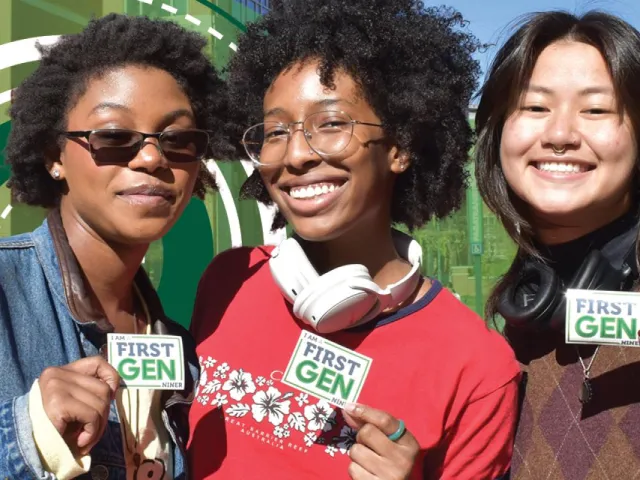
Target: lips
x,y
148,191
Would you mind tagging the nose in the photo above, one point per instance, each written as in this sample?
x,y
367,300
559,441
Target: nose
x,y
299,154
149,158
561,131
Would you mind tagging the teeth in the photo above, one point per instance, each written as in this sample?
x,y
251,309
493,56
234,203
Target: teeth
x,y
558,167
313,190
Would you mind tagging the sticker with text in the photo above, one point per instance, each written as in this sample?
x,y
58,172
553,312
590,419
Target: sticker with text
x,y
326,370
602,317
147,361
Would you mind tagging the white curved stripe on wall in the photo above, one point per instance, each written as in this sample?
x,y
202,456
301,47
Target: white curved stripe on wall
x,y
267,213
5,96
227,201
23,51
19,52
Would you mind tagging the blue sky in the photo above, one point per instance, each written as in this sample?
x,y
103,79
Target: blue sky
x,y
489,20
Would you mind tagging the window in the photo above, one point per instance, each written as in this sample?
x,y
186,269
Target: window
x,y
259,6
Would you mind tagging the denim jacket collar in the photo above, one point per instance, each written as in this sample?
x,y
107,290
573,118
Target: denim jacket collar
x,y
67,284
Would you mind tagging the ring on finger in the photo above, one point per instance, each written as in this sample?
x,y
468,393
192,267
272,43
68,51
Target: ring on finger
x,y
399,432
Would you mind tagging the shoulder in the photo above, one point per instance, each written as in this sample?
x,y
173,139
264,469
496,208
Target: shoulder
x,y
232,274
18,248
24,240
16,254
236,263
482,357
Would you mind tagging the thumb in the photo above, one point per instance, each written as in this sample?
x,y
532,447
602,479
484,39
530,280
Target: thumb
x,y
353,421
108,375
86,438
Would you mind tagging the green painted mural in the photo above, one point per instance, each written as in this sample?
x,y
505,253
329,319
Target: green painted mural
x,y
467,251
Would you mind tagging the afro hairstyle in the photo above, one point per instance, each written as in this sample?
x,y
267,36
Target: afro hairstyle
x,y
41,103
414,66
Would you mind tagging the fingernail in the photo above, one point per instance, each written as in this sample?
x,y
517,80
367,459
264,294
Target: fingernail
x,y
352,408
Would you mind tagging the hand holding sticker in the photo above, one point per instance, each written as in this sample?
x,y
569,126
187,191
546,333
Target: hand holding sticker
x,y
384,449
77,397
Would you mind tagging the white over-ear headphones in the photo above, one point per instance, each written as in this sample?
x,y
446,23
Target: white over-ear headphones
x,y
344,297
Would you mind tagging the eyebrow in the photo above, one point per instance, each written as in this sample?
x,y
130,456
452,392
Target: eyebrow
x,y
167,118
327,102
584,92
108,106
176,114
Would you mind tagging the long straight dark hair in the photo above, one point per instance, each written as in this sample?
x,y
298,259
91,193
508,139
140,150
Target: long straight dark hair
x,y
619,44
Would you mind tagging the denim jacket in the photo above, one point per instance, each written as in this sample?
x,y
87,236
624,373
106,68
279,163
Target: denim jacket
x,y
47,320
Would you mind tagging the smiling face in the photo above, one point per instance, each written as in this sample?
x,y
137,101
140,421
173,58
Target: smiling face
x,y
135,202
324,197
570,107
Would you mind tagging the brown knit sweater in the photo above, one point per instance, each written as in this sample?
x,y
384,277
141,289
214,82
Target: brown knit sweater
x,y
560,439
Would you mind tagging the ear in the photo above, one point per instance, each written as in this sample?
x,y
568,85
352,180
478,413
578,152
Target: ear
x,y
399,160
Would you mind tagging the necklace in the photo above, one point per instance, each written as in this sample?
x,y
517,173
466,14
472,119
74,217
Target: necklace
x,y
136,437
586,391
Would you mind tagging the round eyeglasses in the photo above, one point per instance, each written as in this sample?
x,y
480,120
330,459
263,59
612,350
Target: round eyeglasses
x,y
327,134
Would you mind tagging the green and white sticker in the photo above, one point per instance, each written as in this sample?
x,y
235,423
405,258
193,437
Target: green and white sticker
x,y
602,317
147,361
326,370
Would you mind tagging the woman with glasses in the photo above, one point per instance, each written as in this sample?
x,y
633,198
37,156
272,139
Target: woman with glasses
x,y
108,134
558,164
331,355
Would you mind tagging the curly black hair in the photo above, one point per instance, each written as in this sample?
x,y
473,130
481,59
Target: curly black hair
x,y
41,103
414,66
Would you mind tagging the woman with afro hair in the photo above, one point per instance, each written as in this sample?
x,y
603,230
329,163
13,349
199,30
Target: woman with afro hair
x,y
108,134
355,118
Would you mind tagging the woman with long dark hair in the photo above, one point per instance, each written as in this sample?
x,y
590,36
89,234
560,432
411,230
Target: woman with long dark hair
x,y
557,160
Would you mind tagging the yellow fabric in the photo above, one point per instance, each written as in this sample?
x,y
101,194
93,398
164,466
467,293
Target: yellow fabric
x,y
154,443
55,454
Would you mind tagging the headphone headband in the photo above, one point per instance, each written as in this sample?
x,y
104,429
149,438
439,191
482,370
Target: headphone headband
x,y
346,296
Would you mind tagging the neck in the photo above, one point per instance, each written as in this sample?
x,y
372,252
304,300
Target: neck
x,y
109,269
375,250
554,232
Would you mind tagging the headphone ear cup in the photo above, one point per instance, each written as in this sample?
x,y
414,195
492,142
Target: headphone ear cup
x,y
331,302
527,302
291,269
595,273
